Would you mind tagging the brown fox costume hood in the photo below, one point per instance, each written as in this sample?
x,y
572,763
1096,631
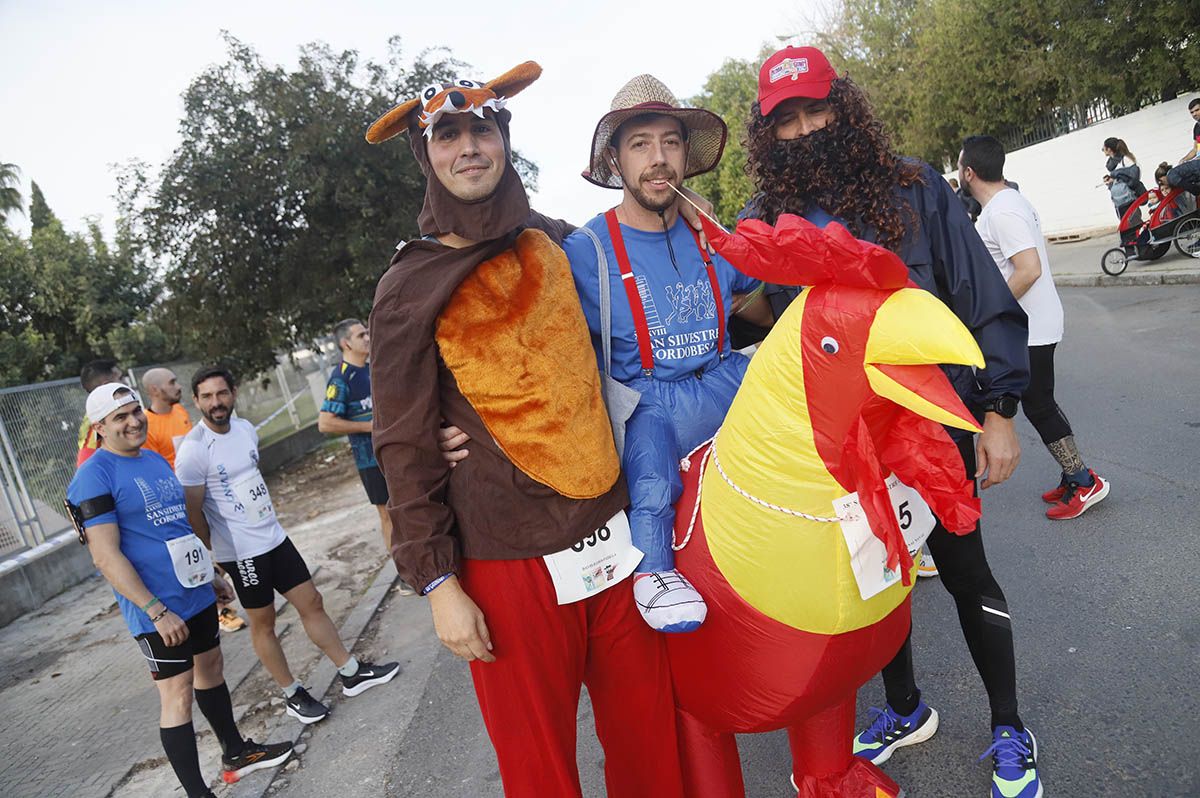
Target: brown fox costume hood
x,y
492,216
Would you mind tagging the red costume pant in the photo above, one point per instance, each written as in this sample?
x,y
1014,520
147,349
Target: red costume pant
x,y
529,696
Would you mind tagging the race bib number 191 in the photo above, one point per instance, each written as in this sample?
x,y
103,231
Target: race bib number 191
x,y
193,566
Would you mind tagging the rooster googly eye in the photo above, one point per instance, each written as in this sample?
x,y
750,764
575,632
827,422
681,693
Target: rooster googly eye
x,y
829,345
431,91
467,84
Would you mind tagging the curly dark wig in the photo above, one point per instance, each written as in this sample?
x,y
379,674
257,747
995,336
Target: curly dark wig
x,y
847,168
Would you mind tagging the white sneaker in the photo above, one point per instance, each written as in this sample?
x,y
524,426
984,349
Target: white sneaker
x,y
927,567
668,602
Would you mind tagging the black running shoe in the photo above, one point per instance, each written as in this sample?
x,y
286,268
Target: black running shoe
x,y
305,708
254,756
368,675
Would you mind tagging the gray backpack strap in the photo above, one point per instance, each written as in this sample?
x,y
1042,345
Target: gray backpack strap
x,y
605,300
620,399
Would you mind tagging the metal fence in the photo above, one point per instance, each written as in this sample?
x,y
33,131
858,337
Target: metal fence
x,y
1054,123
40,427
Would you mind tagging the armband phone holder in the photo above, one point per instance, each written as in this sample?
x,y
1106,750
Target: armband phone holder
x,y
87,510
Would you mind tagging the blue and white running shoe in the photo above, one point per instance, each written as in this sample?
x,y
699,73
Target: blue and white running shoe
x,y
1014,764
889,731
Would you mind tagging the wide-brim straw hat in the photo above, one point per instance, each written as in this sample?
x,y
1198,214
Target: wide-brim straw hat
x,y
646,94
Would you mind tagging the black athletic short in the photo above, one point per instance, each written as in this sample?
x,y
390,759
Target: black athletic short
x,y
255,579
376,485
204,634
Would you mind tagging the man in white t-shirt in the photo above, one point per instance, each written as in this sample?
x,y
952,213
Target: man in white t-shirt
x,y
230,509
1012,231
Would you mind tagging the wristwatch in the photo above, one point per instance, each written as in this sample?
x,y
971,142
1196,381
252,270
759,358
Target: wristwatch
x,y
1004,405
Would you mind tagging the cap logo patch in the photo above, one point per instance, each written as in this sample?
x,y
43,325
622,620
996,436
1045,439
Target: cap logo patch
x,y
795,67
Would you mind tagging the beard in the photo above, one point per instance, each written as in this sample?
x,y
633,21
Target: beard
x,y
821,167
646,201
218,415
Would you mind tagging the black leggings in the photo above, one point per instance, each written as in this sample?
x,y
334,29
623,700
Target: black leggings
x,y
1038,402
982,613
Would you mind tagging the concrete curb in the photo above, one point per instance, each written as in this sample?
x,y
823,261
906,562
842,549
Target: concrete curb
x,y
1127,279
321,680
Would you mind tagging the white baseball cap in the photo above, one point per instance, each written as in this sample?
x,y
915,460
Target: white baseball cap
x,y
102,401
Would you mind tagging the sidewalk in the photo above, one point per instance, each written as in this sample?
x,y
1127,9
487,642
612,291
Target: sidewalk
x,y
81,713
1077,264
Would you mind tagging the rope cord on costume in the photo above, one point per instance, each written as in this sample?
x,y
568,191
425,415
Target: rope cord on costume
x,y
758,501
684,465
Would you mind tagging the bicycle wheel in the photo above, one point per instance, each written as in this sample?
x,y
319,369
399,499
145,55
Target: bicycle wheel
x,y
1187,238
1114,261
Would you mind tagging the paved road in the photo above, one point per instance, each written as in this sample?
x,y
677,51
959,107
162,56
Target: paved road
x,y
1104,608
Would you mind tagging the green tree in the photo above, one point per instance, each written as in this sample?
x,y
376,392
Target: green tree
x,y
40,214
66,298
729,92
937,70
10,194
274,216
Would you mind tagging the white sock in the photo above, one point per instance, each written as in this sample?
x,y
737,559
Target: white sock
x,y
350,668
291,689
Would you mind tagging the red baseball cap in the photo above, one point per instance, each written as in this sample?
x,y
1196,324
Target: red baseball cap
x,y
793,72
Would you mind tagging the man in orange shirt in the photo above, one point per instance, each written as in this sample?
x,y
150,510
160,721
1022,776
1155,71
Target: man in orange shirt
x,y
93,375
166,420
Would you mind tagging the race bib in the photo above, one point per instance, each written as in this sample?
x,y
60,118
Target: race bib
x,y
596,563
254,497
193,566
868,555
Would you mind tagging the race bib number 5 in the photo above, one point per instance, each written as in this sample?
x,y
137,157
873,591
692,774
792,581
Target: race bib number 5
x,y
868,555
597,562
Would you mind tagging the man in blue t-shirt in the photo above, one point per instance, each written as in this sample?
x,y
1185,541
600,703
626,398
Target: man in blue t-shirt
x,y
670,306
128,506
348,411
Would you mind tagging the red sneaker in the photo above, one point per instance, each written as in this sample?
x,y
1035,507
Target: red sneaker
x,y
1054,495
1077,499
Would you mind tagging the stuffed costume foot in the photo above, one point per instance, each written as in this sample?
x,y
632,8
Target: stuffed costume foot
x,y
668,602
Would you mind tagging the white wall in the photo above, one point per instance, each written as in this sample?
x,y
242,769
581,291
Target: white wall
x,y
1060,176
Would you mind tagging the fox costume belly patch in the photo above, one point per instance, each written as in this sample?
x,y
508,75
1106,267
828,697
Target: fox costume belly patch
x,y
515,339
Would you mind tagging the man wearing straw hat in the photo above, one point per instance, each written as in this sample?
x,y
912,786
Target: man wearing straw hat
x,y
519,545
670,305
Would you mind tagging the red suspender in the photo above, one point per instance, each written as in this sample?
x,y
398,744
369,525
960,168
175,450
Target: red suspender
x,y
716,290
641,328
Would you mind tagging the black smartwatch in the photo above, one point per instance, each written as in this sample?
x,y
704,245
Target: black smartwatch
x,y
1004,405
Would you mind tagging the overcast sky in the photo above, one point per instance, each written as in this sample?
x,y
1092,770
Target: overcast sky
x,y
84,85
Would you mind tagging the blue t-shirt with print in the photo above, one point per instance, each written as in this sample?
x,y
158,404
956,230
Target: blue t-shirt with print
x,y
149,511
348,396
680,310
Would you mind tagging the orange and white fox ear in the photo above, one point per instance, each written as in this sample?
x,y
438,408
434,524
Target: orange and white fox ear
x,y
515,80
394,122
